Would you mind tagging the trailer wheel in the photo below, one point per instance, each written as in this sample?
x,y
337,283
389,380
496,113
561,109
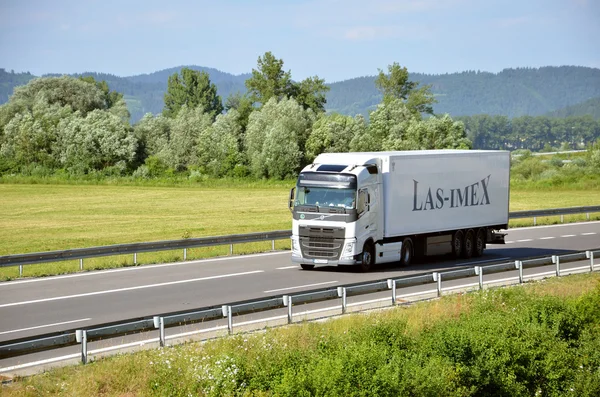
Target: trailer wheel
x,y
407,252
457,243
367,257
469,244
479,242
307,267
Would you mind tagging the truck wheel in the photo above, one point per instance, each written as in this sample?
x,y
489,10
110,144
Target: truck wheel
x,y
367,257
406,253
307,267
457,243
479,242
469,244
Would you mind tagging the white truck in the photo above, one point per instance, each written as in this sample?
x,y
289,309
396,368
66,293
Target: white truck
x,y
370,208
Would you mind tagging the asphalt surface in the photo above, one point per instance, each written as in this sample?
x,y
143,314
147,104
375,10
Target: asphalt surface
x,y
51,304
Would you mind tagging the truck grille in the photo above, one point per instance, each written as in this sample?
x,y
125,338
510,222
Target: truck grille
x,y
321,243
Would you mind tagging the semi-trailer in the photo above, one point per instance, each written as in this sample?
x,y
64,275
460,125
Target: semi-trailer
x,y
380,207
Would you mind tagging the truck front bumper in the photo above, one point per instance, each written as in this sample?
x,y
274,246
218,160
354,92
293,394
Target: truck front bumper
x,y
326,262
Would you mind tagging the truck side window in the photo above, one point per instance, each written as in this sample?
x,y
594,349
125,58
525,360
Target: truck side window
x,y
362,201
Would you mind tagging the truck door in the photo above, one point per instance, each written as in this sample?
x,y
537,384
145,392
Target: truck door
x,y
367,214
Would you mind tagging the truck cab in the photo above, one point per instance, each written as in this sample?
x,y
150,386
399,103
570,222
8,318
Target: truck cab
x,y
335,210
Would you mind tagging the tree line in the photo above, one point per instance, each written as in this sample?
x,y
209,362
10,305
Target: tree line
x,y
540,133
79,126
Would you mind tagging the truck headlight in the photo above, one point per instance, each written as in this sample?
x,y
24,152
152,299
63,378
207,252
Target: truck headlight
x,y
348,249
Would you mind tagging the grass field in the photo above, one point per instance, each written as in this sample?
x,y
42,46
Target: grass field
x,y
46,217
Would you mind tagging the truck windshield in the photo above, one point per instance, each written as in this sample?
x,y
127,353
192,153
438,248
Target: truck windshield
x,y
326,197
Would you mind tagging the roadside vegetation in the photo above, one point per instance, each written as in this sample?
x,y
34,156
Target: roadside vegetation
x,y
539,339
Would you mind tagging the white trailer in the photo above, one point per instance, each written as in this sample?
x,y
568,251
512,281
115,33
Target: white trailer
x,y
369,208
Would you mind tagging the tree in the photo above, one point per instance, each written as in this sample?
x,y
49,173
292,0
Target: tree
x,y
218,150
310,93
269,80
435,133
243,105
96,142
186,128
276,137
387,127
395,85
333,133
192,88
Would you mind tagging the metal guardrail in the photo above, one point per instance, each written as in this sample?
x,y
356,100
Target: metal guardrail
x,y
135,248
24,346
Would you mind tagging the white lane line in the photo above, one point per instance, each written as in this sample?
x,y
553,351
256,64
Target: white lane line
x,y
287,267
299,286
546,238
137,268
45,326
568,235
130,288
508,242
41,362
525,240
588,234
516,229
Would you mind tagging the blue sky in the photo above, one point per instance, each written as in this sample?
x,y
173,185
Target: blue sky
x,y
332,39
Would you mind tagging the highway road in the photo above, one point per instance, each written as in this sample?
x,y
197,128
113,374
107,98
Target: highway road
x,y
51,304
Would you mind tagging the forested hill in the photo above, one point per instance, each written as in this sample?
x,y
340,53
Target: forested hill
x,y
511,92
590,107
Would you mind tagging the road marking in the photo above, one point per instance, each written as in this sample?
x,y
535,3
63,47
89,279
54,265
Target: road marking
x,y
130,288
137,268
525,240
299,286
287,267
516,229
508,242
546,238
568,235
45,326
41,362
588,234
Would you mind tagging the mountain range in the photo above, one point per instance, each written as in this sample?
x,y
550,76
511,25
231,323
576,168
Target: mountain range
x,y
556,91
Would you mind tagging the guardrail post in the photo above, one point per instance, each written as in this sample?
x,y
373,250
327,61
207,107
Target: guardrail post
x,y
230,249
479,272
272,245
81,337
342,294
562,219
587,215
135,258
185,254
556,259
287,301
159,322
519,266
438,277
534,221
392,285
81,264
20,270
590,255
227,313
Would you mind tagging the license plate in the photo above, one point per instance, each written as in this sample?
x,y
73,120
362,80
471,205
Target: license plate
x,y
321,261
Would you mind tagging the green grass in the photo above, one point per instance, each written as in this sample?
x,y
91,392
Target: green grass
x,y
538,339
37,217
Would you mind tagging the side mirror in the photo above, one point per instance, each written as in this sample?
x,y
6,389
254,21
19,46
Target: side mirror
x,y
291,199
